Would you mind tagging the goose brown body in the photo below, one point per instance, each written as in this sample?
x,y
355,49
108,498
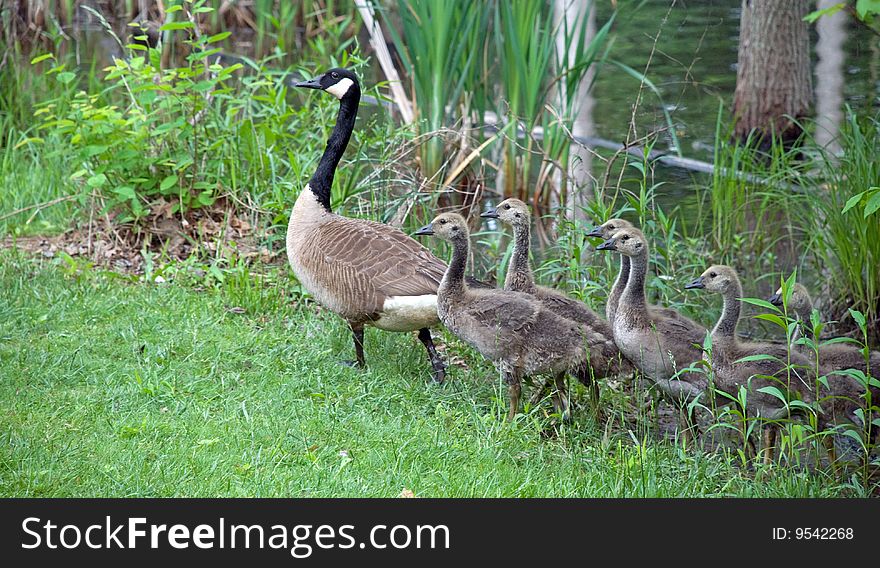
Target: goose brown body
x,y
358,268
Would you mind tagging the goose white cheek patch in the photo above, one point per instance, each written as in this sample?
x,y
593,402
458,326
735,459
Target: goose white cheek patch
x,y
339,89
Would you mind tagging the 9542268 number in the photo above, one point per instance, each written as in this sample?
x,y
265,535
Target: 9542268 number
x,y
813,533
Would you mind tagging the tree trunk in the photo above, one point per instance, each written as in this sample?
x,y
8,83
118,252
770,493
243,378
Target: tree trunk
x,y
831,56
773,83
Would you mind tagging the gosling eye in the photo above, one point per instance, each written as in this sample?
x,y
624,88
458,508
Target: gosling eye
x,y
442,221
625,238
507,206
517,215
712,275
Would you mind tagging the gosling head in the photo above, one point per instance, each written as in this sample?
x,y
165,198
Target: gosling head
x,y
338,82
628,242
800,301
510,211
607,229
717,278
447,227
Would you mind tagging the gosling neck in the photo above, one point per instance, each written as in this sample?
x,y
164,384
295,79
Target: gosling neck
x,y
453,279
322,181
634,294
622,278
519,262
726,326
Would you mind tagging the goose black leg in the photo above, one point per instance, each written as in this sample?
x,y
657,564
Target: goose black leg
x,y
357,332
437,363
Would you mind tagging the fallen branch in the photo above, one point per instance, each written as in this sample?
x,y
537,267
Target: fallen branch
x,y
38,206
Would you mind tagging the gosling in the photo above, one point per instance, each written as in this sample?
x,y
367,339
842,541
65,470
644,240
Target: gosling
x,y
512,329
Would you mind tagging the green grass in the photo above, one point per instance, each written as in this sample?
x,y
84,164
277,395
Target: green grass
x,y
115,388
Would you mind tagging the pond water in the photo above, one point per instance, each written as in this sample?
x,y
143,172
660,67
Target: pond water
x,y
694,68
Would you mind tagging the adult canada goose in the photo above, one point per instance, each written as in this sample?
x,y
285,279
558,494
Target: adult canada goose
x,y
605,231
660,346
731,372
512,329
366,272
846,392
605,357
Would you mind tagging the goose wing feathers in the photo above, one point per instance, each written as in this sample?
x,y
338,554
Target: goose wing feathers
x,y
378,258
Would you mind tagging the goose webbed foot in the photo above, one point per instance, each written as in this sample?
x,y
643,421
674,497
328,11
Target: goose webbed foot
x,y
438,366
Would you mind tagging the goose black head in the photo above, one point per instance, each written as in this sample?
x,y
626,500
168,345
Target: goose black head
x,y
338,82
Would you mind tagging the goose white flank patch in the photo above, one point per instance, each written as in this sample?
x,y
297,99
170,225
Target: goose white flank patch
x,y
400,313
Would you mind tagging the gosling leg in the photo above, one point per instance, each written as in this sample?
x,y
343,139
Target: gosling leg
x,y
769,443
437,364
586,378
560,398
514,389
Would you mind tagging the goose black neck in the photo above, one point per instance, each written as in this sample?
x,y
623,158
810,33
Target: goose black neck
x,y
726,326
634,293
519,261
322,182
453,279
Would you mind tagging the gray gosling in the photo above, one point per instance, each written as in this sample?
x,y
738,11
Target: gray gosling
x,y
605,358
512,329
731,372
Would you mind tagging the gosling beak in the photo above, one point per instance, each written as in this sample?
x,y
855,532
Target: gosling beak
x,y
313,83
595,232
490,213
426,230
696,283
775,299
607,245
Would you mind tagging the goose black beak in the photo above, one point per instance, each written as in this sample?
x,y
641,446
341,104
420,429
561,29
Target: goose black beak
x,y
775,299
426,230
595,232
313,83
696,283
607,245
490,213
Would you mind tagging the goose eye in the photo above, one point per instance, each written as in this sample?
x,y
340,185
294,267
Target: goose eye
x,y
335,75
